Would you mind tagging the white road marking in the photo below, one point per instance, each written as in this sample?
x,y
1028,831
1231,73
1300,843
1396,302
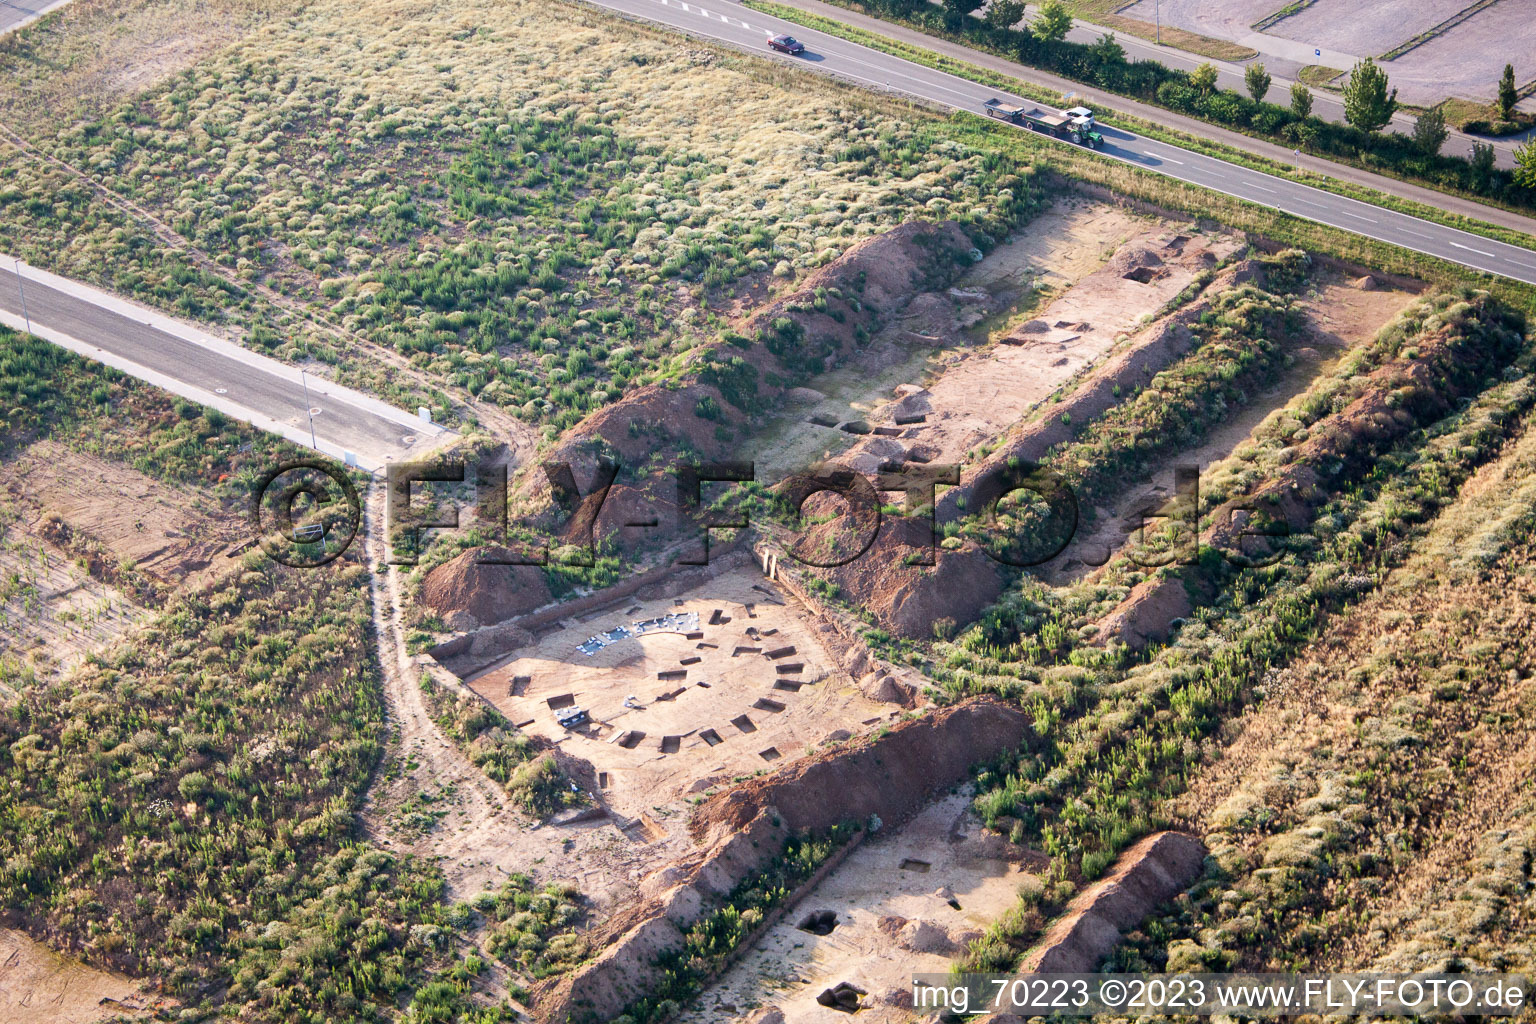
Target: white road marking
x,y
1520,263
1157,156
1478,251
1261,188
1415,234
1369,220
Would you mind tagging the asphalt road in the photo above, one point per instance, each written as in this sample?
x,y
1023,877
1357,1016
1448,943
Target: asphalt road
x,y
1325,104
16,13
187,362
727,22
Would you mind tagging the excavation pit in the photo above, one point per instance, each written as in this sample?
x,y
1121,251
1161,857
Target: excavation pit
x,y
627,736
820,922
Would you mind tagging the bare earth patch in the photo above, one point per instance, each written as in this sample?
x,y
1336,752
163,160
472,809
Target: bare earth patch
x,y
756,687
890,902
37,986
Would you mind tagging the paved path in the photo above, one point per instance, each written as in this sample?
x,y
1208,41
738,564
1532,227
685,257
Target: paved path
x,y
181,359
749,29
15,14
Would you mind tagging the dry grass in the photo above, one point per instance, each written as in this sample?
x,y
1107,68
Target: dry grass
x,y
333,156
1374,813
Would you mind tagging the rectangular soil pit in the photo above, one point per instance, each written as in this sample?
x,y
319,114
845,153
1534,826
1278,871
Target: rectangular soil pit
x,y
743,723
750,613
691,661
669,744
716,617
746,650
694,636
564,700
771,754
711,737
602,780
519,686
910,418
706,647
789,670
522,725
675,673
787,685
771,632
908,864
765,704
631,739
779,652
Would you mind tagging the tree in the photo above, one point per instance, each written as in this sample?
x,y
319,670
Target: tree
x,y
1005,13
960,8
1301,100
1204,78
1429,131
1052,22
1257,80
1525,165
1106,51
1482,166
1507,94
1366,103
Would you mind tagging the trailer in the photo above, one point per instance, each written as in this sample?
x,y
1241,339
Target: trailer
x,y
1079,129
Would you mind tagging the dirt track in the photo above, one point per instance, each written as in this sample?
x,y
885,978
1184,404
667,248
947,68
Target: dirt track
x,y
483,837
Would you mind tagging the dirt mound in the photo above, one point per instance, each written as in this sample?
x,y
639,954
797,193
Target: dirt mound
x,y
891,776
1153,871
1392,401
487,593
924,937
751,370
909,599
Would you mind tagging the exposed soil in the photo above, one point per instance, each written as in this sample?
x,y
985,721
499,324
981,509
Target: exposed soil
x,y
983,392
172,533
54,613
925,374
1152,871
1392,400
909,599
756,687
468,824
890,776
891,921
1340,315
86,544
472,590
38,986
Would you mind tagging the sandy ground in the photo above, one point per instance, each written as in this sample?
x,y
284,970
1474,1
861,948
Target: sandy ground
x,y
171,532
790,967
53,612
432,802
1057,249
1468,60
981,393
37,986
724,711
1340,317
1365,26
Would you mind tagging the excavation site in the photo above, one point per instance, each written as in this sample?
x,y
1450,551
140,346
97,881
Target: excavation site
x,y
615,512
838,707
